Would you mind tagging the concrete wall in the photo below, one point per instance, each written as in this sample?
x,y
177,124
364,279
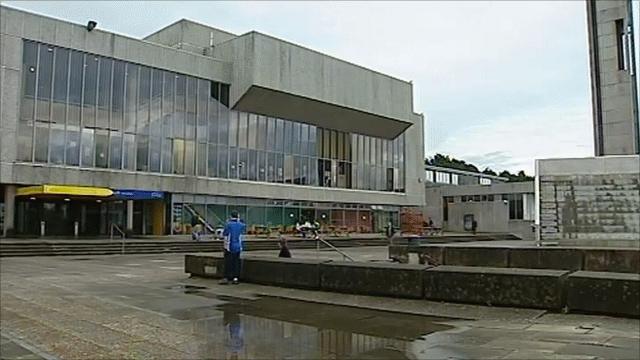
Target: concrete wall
x,y
491,216
590,201
187,34
17,25
615,125
496,221
264,62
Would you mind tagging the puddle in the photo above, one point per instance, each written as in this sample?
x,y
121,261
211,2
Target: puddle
x,y
272,327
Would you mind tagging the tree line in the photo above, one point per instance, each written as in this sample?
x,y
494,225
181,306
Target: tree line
x,y
453,163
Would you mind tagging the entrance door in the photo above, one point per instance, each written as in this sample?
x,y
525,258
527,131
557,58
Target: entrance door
x,y
58,217
468,222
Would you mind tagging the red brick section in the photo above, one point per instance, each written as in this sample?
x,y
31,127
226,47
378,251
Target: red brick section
x,y
411,221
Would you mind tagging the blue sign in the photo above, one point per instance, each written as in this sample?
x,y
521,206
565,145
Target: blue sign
x,y
138,195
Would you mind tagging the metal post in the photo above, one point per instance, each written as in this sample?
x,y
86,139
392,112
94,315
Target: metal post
x,y
76,227
42,228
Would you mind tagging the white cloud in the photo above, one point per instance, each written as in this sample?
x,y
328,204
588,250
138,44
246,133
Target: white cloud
x,y
513,142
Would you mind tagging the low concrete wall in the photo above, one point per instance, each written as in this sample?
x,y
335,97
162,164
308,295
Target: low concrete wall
x,y
546,258
558,258
604,292
595,292
297,273
612,260
204,265
476,256
496,286
383,279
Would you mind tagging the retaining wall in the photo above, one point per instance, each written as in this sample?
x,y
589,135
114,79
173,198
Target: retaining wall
x,y
554,258
581,291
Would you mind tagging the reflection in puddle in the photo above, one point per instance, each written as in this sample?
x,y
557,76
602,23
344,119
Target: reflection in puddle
x,y
282,328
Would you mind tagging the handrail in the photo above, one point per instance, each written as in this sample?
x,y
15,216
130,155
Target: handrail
x,y
332,247
122,233
201,218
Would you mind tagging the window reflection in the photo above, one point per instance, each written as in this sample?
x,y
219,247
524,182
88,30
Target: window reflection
x,y
93,111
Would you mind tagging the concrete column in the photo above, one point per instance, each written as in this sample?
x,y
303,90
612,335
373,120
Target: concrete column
x,y
9,208
129,214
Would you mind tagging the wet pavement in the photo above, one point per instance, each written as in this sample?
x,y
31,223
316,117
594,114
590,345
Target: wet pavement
x,y
144,306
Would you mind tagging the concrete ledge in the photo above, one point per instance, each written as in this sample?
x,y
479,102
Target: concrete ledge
x,y
399,253
432,255
382,279
296,273
604,293
476,256
204,265
545,258
496,286
614,260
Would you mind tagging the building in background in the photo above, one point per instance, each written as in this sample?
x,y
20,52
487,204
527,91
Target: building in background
x,y
98,128
455,198
596,201
613,77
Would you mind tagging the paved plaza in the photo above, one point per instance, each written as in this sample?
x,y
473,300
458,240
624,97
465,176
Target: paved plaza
x,y
144,307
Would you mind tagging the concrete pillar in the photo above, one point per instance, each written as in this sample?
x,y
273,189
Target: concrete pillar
x,y
129,214
9,209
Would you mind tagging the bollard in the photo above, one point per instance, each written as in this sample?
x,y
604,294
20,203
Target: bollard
x,y
42,227
75,228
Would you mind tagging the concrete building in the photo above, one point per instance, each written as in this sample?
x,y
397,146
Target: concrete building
x,y
591,201
435,175
98,128
613,77
596,201
455,200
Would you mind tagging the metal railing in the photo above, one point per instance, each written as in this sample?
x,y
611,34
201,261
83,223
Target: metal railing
x,y
122,234
319,240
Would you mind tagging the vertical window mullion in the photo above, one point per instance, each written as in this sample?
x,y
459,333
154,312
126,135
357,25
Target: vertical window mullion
x,y
66,107
51,85
35,106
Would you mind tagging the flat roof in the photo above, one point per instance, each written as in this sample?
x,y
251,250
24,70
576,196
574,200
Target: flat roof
x,y
464,172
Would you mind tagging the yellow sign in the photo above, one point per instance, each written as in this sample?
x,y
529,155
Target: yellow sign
x,y
64,190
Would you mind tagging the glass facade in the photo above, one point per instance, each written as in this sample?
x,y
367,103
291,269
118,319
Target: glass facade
x,y
280,214
80,109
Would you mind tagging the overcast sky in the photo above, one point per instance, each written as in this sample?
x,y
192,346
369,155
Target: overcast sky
x,y
500,83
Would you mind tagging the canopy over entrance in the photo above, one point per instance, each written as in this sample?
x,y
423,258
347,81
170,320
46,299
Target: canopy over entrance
x,y
66,190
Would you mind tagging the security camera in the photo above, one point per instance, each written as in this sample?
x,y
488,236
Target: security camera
x,y
91,25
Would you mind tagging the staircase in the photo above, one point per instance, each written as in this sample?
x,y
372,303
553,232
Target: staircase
x,y
201,219
38,247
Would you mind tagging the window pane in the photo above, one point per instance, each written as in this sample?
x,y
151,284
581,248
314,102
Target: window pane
x,y
73,146
167,154
25,134
288,169
90,89
29,71
155,117
76,68
45,73
117,98
262,166
142,152
115,150
224,95
223,163
102,148
128,152
202,159
104,92
131,96
242,129
203,97
56,153
180,106
60,81
261,133
144,88
243,164
190,117
280,139
288,140
178,156
271,134
167,104
212,161
154,153
213,120
41,143
233,128
295,138
189,157
271,167
304,139
252,132
312,140
279,168
87,148
252,169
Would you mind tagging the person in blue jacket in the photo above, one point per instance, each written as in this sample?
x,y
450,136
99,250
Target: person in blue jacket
x,y
234,231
